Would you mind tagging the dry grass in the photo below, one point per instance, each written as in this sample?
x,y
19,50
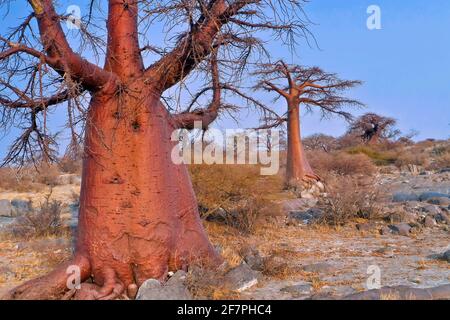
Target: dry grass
x,y
207,284
239,190
340,163
351,198
382,154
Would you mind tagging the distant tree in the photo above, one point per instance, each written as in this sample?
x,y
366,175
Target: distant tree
x,y
320,141
373,128
312,88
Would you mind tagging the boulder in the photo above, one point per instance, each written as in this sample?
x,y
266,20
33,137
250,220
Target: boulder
x,y
443,217
218,215
241,278
425,196
404,197
5,208
321,267
297,204
440,201
254,260
403,293
20,207
298,289
430,222
385,231
402,229
446,256
431,209
305,217
173,289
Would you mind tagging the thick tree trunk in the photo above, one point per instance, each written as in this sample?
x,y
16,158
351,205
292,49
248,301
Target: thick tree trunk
x,y
374,139
298,170
138,212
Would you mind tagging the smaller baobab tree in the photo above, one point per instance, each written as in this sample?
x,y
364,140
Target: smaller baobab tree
x,y
312,88
374,128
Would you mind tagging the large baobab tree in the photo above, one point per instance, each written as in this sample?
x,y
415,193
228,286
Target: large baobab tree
x,y
138,214
373,128
311,88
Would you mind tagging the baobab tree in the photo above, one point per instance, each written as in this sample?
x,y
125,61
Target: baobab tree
x,y
312,88
138,214
373,128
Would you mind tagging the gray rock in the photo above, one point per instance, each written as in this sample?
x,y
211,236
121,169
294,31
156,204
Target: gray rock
x,y
441,201
254,259
241,278
385,231
173,289
425,196
298,289
431,209
20,207
404,197
305,217
5,221
386,251
410,217
402,229
297,204
430,222
446,256
219,215
443,217
403,293
321,267
5,208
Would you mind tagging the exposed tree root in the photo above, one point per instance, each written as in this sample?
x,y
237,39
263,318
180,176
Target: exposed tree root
x,y
51,286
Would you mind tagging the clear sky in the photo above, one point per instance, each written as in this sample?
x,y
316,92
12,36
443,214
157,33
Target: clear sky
x,y
405,66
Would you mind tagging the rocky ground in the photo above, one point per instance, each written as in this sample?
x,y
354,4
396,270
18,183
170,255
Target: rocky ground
x,y
295,259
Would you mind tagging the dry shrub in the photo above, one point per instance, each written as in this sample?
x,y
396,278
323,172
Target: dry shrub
x,y
349,198
13,180
381,155
70,165
238,190
441,162
205,283
414,158
441,157
341,163
42,222
47,174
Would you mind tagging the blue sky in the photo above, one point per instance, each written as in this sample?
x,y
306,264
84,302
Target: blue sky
x,y
405,66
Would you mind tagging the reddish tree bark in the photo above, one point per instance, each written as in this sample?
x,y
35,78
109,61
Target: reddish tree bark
x,y
138,214
298,169
310,87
